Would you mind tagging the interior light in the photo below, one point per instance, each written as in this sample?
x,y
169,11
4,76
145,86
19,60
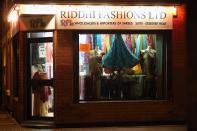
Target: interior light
x,y
174,11
37,9
13,16
17,8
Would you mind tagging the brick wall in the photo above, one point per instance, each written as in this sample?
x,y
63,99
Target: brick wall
x,y
179,61
64,60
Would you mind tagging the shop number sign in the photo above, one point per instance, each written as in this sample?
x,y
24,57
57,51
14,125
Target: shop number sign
x,y
114,17
37,22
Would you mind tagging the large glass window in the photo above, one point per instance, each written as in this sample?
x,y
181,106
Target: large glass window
x,y
122,67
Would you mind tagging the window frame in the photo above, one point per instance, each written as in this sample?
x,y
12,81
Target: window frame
x,y
28,80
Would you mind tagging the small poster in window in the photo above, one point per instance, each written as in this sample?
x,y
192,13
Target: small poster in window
x,y
84,47
42,51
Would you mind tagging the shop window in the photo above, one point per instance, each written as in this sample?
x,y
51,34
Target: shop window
x,y
122,67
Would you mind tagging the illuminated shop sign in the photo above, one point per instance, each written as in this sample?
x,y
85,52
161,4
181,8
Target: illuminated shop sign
x,y
114,17
71,17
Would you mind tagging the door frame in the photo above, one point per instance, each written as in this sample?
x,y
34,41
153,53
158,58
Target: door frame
x,y
28,74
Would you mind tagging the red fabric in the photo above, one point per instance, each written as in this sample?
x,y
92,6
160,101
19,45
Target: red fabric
x,y
108,70
149,39
49,52
43,90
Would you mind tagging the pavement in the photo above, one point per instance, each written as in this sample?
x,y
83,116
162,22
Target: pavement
x,y
8,123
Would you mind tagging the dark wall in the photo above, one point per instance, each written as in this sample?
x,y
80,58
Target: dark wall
x,y
192,65
1,27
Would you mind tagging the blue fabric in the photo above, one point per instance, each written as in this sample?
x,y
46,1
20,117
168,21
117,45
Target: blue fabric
x,y
128,42
144,42
98,41
138,46
112,38
119,56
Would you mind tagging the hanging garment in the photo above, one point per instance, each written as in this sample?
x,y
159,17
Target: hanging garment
x,y
89,38
119,56
112,38
154,41
81,88
41,95
98,41
133,42
103,48
86,57
128,42
144,42
138,42
106,43
49,52
149,39
43,90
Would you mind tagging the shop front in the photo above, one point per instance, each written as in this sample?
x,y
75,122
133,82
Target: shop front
x,y
83,64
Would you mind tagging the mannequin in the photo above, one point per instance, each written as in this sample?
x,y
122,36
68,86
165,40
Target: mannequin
x,y
92,89
148,63
148,57
94,61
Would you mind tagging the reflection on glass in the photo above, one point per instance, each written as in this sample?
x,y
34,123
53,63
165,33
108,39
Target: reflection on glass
x,y
41,58
121,67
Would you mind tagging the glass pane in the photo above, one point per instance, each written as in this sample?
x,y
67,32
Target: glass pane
x,y
41,56
121,67
41,60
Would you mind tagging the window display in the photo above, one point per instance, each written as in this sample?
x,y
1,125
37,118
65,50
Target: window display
x,y
121,67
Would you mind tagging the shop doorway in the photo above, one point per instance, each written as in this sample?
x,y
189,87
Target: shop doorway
x,y
40,89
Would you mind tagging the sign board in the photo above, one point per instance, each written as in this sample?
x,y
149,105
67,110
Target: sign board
x,y
37,22
113,17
